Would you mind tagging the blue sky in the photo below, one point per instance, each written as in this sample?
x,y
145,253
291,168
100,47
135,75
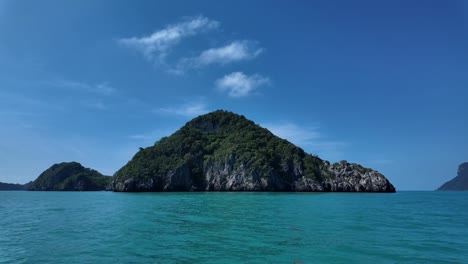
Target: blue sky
x,y
381,83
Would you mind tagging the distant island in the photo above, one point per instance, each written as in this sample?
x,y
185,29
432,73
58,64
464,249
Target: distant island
x,y
460,182
70,176
218,151
13,186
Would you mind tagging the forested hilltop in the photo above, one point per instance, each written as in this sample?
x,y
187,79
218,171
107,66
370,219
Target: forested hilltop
x,y
224,151
70,176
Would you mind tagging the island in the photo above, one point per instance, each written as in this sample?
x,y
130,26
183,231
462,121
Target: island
x,y
70,176
224,151
13,186
460,182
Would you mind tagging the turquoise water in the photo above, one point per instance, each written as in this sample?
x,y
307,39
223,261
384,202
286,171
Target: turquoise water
x,y
106,227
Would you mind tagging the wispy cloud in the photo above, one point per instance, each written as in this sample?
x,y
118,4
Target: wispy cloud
x,y
236,51
233,52
97,105
16,113
237,84
21,103
101,88
309,138
294,133
190,109
152,135
105,89
93,93
159,44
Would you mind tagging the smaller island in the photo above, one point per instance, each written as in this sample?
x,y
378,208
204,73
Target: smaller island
x,y
70,176
13,186
460,182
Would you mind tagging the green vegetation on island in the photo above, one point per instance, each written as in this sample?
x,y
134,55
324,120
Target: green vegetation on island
x,y
224,151
70,176
214,137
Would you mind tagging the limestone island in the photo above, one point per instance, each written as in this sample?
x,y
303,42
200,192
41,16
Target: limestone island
x,y
460,182
224,151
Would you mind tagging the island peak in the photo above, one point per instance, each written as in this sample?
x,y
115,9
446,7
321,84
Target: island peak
x,y
224,151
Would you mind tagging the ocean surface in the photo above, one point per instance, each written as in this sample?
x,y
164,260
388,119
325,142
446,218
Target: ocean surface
x,y
106,227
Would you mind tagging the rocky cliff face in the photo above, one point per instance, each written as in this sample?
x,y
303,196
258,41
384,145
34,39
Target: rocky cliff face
x,y
222,151
460,182
350,177
342,177
70,176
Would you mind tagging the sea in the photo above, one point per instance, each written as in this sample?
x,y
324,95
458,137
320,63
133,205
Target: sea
x,y
223,227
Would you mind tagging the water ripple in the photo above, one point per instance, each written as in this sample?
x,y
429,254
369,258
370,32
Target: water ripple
x,y
104,227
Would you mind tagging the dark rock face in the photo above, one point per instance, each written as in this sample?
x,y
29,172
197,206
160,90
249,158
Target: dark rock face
x,y
70,176
222,151
460,182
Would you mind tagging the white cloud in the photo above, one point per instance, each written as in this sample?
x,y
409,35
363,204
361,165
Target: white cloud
x,y
158,45
237,84
105,89
20,103
71,84
153,136
101,88
308,138
98,105
294,133
234,52
93,92
191,109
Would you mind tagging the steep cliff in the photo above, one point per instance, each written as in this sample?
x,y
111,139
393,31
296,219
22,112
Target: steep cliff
x,y
223,151
460,182
70,176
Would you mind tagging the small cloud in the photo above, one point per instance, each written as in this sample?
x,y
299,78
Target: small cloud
x,y
237,84
309,138
96,105
11,101
191,109
236,51
18,113
152,136
72,85
233,52
139,136
105,89
100,106
294,133
101,88
158,45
